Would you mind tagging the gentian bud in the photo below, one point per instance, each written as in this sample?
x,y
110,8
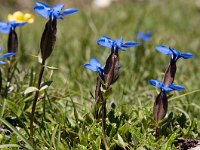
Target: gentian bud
x,y
160,106
170,73
48,38
12,42
111,69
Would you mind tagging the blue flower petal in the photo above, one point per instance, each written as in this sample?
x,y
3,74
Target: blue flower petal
x,y
4,27
95,62
42,11
43,5
176,87
130,44
69,11
105,41
58,7
91,67
166,89
0,48
119,42
144,36
140,35
16,24
2,63
7,55
187,55
164,50
156,83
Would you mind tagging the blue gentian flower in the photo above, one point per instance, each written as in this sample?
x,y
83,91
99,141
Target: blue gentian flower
x,y
175,54
95,66
6,27
170,87
115,45
144,36
6,55
53,13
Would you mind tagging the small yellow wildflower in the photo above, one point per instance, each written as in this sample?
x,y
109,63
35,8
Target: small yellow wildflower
x,y
19,16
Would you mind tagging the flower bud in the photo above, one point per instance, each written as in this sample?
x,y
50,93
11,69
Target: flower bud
x,y
111,69
160,106
48,39
12,41
170,73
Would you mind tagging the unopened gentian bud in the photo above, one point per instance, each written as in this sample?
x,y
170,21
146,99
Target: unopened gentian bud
x,y
161,102
170,73
12,42
160,106
175,55
48,38
111,69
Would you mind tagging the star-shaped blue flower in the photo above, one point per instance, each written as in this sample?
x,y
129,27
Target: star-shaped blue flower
x,y
144,36
95,66
53,13
6,27
175,54
6,55
170,87
115,45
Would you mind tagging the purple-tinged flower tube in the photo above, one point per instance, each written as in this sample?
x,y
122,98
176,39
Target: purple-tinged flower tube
x,y
112,63
161,102
9,28
49,35
175,55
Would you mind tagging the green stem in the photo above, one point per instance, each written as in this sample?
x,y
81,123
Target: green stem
x,y
104,122
8,81
35,99
97,98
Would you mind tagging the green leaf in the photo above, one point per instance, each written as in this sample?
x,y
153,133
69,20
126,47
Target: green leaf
x,y
45,85
30,90
10,146
168,144
29,145
53,137
107,93
124,129
121,142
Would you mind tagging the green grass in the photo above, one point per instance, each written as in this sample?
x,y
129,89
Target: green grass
x,y
64,116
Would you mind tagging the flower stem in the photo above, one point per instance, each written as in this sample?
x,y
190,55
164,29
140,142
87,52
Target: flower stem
x,y
8,81
35,99
97,98
104,122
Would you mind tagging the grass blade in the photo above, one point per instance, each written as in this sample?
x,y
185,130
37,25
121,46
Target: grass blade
x,y
10,146
188,93
29,145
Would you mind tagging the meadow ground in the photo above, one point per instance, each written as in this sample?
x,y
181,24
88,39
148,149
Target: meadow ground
x,y
64,117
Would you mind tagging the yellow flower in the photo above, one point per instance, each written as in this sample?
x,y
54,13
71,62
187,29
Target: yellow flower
x,y
29,18
19,16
